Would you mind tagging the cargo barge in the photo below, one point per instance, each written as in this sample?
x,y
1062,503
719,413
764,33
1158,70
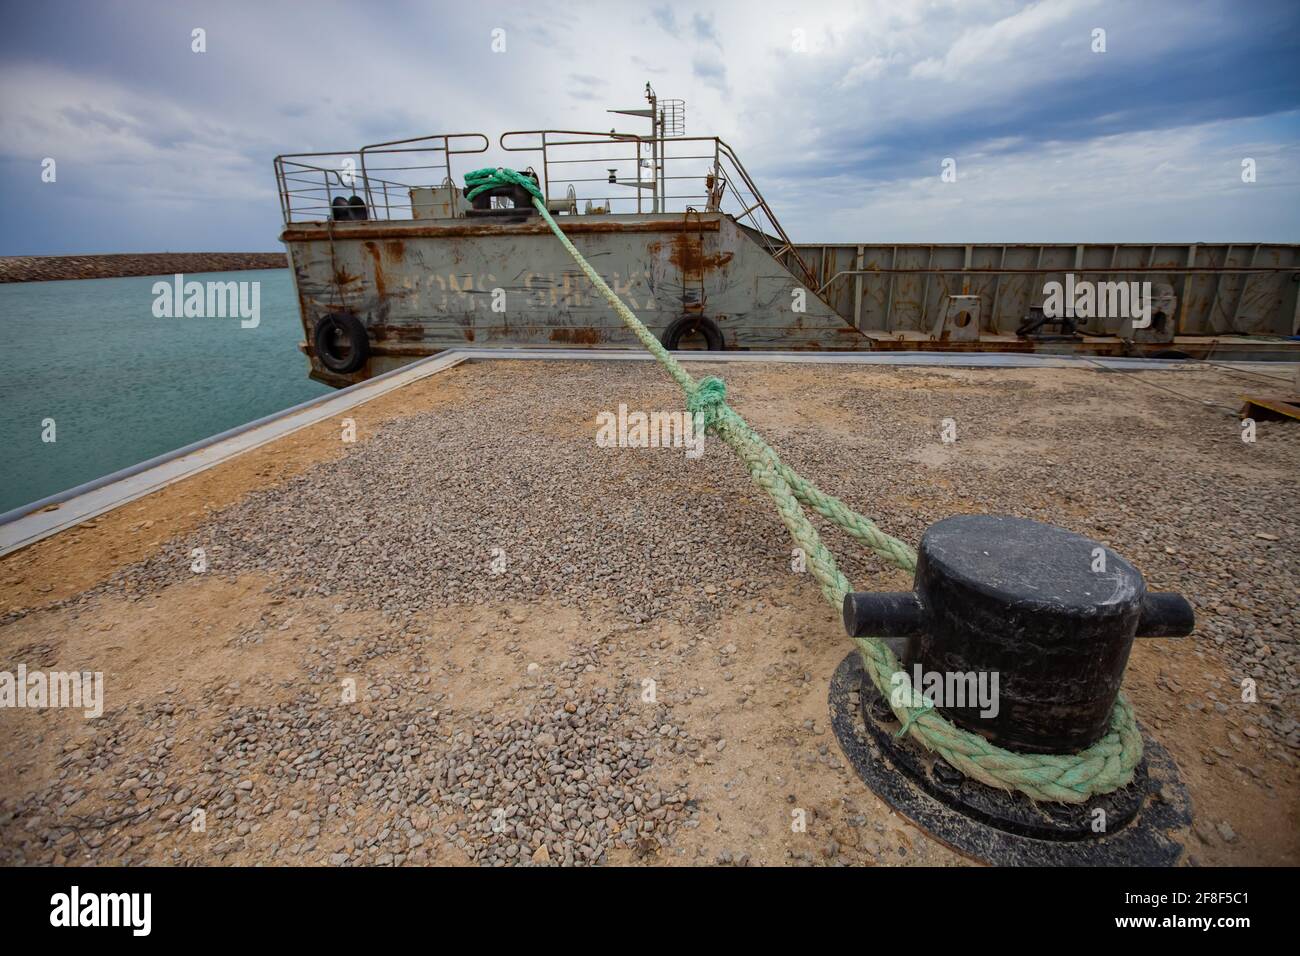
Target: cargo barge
x,y
391,263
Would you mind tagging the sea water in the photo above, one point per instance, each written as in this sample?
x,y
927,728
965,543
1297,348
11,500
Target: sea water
x,y
93,380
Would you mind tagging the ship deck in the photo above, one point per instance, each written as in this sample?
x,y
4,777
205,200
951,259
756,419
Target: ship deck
x,y
498,590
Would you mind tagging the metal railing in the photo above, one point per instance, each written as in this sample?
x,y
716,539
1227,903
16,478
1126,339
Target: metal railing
x,y
691,172
382,175
664,175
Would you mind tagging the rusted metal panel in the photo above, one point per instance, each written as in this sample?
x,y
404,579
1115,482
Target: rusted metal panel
x,y
420,288
1224,290
1283,406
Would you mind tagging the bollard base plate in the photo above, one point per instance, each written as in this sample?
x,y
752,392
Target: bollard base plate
x,y
1006,829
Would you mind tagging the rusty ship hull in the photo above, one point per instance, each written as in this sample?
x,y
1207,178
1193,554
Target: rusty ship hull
x,y
417,269
424,286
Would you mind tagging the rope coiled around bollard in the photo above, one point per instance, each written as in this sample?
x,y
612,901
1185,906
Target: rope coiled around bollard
x,y
1064,778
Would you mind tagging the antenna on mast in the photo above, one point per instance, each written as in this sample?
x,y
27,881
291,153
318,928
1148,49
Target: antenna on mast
x,y
667,120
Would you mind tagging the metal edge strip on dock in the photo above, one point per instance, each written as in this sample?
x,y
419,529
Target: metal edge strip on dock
x,y
891,357
32,522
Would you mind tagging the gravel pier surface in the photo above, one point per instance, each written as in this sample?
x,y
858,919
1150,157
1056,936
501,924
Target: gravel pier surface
x,y
562,653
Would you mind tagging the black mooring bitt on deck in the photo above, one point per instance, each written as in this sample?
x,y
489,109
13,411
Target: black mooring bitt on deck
x,y
1052,614
1142,821
1038,622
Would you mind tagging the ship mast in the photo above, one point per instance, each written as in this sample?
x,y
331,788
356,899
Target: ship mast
x,y
665,121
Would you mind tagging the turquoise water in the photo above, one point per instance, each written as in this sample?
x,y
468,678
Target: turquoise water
x,y
122,385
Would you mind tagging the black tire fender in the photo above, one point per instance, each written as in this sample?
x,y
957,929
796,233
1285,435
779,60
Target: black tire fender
x,y
689,325
346,329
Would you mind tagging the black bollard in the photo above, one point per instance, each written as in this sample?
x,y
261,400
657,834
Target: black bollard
x,y
1044,617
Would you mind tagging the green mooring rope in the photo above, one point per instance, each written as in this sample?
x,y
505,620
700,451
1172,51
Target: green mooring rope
x,y
1070,778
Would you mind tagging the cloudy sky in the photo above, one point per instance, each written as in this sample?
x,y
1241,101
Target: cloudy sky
x,y
844,112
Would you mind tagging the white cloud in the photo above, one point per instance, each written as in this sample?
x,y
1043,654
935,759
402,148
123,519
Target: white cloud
x,y
981,48
105,135
1183,185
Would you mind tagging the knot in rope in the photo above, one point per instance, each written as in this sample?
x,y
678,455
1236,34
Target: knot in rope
x,y
708,400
